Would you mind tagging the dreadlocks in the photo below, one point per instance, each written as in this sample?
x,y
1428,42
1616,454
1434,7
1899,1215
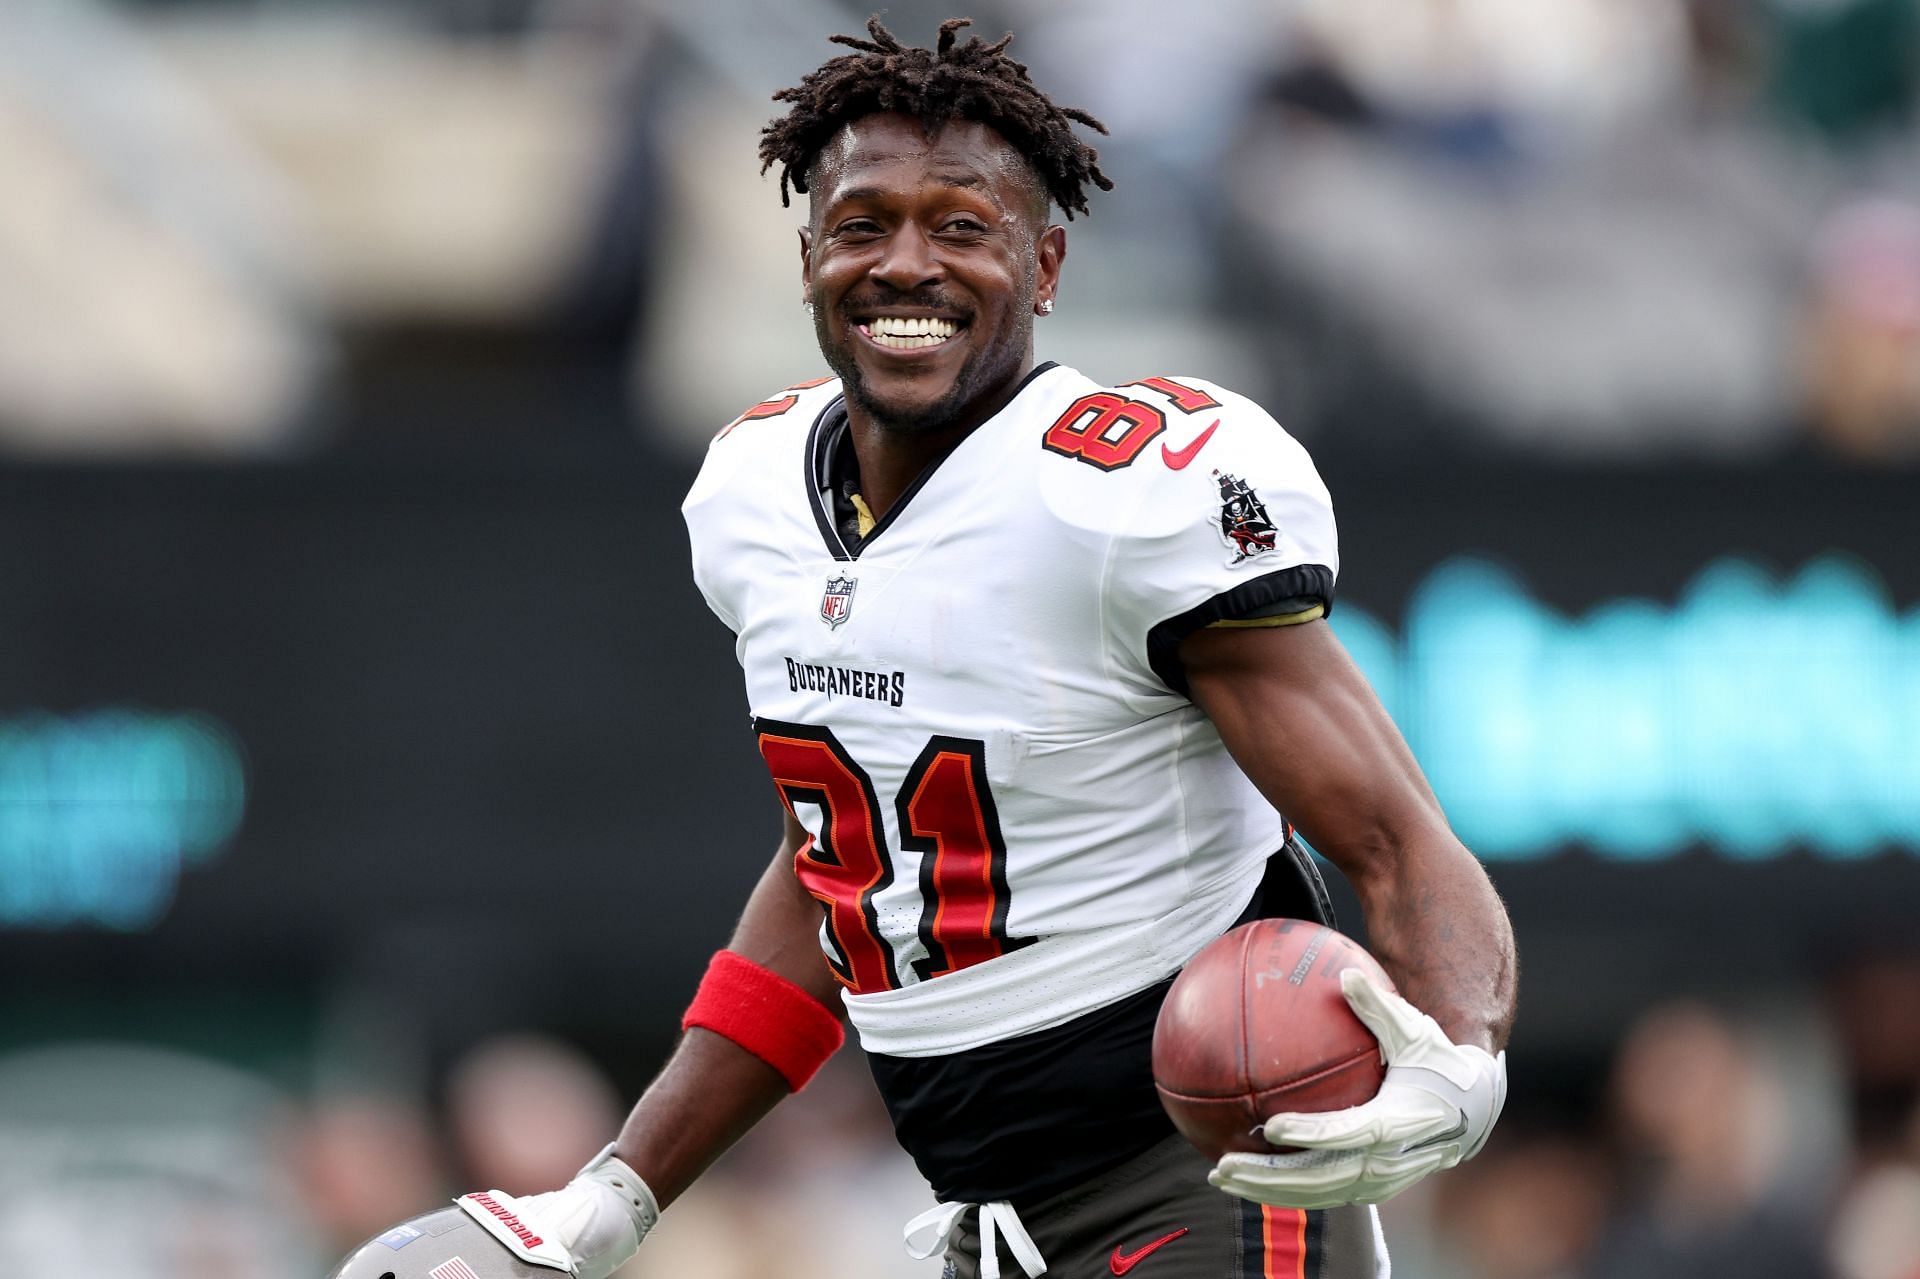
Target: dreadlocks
x,y
953,81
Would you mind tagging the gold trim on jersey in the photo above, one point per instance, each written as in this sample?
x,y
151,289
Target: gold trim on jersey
x,y
1313,614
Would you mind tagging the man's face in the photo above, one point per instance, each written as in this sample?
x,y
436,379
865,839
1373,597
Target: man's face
x,y
924,261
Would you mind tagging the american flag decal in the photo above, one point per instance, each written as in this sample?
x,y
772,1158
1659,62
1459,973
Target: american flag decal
x,y
455,1269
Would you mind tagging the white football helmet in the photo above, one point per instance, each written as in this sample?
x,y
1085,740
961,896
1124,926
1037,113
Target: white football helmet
x,y
443,1244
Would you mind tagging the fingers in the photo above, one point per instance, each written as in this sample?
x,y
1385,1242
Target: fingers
x,y
1308,1179
1380,1122
1397,1024
1303,1165
1356,1126
1321,1179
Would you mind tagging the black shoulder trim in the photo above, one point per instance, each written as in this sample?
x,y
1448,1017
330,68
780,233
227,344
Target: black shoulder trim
x,y
1045,366
1302,581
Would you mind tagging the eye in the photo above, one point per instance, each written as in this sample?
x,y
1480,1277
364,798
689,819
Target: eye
x,y
857,227
963,223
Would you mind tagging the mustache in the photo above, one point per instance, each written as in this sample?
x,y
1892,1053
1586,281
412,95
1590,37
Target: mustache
x,y
915,299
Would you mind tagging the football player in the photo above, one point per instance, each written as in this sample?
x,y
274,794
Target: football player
x,y
1035,664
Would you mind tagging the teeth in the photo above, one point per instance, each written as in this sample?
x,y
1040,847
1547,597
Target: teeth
x,y
906,334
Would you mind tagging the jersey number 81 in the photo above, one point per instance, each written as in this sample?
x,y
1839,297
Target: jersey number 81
x,y
946,814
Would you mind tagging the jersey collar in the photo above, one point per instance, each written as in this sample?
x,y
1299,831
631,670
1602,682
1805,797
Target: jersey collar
x,y
831,476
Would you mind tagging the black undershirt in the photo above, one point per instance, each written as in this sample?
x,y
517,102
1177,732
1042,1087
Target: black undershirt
x,y
1025,1118
842,472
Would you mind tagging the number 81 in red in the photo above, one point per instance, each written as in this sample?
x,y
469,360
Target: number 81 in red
x,y
945,812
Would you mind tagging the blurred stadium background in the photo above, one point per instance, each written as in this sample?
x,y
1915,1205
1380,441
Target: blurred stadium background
x,y
373,783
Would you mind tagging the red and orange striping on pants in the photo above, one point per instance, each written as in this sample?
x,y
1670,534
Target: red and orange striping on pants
x,y
1280,1243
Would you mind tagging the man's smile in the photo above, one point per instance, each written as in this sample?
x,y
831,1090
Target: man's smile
x,y
908,333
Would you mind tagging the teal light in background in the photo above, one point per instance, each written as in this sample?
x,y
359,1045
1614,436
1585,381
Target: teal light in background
x,y
100,814
1753,714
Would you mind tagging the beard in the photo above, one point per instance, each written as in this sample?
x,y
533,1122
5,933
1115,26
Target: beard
x,y
900,419
982,373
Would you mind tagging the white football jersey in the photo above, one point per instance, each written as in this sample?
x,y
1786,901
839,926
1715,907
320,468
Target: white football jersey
x,y
976,712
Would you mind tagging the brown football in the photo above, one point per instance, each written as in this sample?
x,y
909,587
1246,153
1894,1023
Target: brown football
x,y
1255,1025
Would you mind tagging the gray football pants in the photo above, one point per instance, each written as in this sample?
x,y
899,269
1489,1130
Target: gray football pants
x,y
1155,1217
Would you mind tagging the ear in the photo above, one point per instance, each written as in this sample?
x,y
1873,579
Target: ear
x,y
1049,255
806,261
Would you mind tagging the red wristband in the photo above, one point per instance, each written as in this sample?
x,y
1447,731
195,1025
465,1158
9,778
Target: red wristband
x,y
767,1015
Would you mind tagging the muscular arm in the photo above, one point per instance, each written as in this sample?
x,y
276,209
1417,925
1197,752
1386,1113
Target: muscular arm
x,y
1300,719
712,1090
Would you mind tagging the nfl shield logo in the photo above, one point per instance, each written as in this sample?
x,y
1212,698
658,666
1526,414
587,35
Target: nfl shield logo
x,y
837,603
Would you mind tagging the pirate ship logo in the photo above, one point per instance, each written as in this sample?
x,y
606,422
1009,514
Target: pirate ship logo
x,y
837,604
1244,524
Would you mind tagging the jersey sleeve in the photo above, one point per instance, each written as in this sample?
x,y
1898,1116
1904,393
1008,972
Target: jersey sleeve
x,y
723,487
737,489
1242,530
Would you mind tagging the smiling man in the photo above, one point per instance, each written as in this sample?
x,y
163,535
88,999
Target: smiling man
x,y
925,259
1036,664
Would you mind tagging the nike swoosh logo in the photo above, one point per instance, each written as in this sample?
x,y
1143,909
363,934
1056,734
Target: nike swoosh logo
x,y
1177,460
1125,1261
1454,1133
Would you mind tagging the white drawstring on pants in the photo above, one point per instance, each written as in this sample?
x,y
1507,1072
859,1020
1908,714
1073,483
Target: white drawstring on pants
x,y
995,1218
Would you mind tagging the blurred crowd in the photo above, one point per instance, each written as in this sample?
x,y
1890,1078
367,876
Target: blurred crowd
x,y
1778,1139
1776,1136
1592,229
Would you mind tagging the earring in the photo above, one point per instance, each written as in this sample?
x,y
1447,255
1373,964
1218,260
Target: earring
x,y
808,303
1046,306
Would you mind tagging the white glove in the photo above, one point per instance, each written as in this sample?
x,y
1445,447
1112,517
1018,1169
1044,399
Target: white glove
x,y
588,1228
1434,1109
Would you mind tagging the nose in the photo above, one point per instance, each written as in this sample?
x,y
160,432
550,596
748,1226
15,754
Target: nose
x,y
908,260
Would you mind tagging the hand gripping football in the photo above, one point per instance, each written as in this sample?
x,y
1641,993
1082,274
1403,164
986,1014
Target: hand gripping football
x,y
1257,1025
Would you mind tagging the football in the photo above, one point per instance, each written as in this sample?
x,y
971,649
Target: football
x,y
1256,1025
